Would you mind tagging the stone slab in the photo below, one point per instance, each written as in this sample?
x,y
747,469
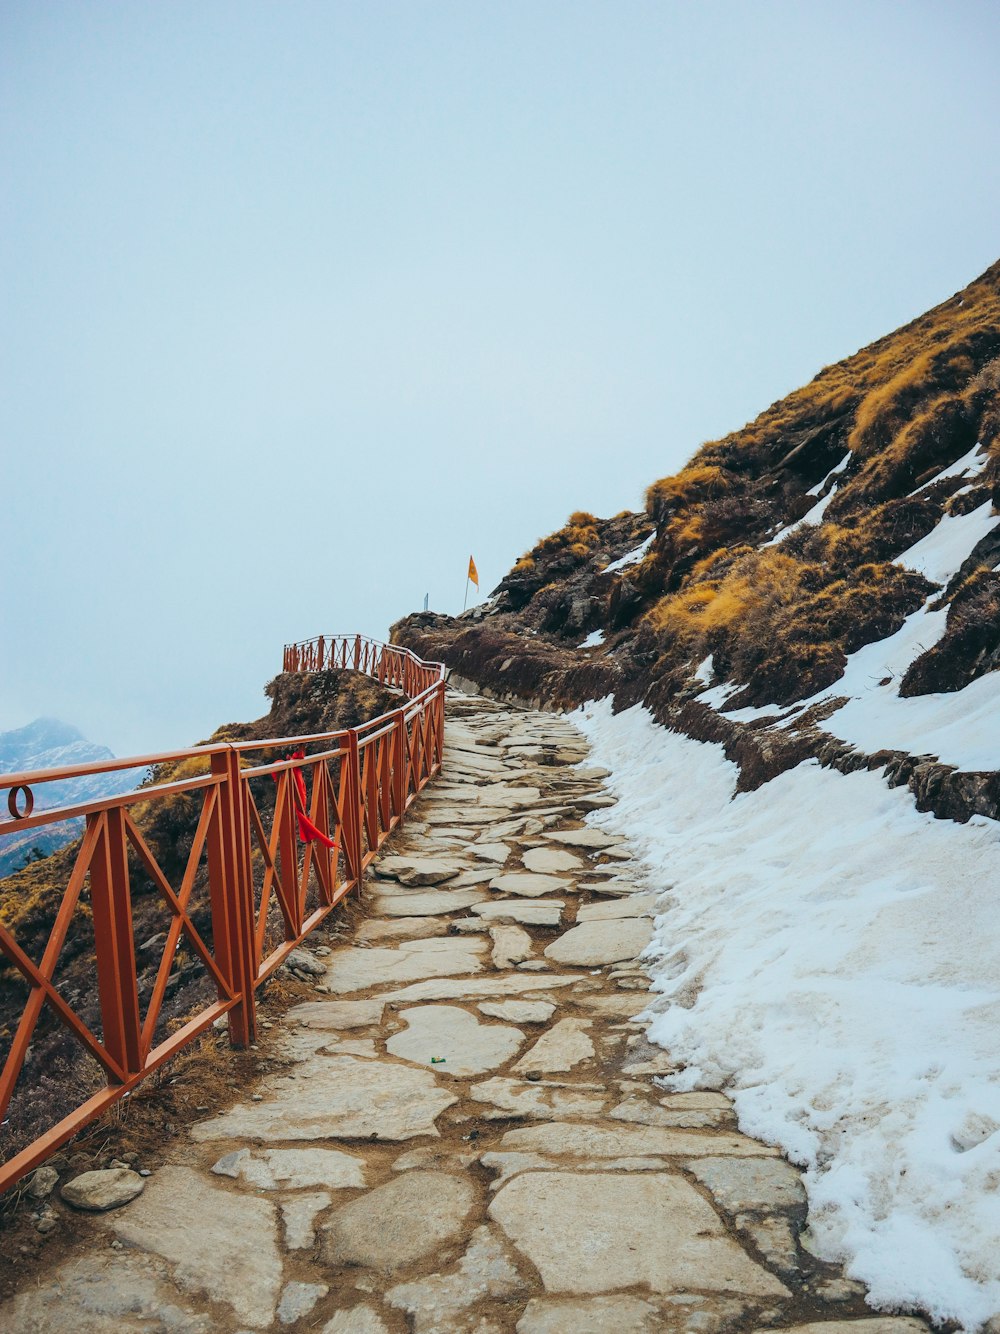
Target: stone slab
x,y
614,1006
491,852
740,1185
594,1233
509,1165
347,1098
635,905
447,988
539,1101
548,912
426,904
298,1215
639,1111
594,840
452,1041
399,1223
590,1315
337,1015
101,1291
478,875
293,1169
437,1156
466,815
429,871
528,885
221,1244
563,1046
358,1320
596,943
356,969
519,1012
511,945
298,1299
631,1141
435,1304
703,1099
643,1058
401,928
550,861
611,887
774,1237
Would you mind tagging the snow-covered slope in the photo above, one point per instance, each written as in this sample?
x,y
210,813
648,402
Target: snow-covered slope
x,y
831,956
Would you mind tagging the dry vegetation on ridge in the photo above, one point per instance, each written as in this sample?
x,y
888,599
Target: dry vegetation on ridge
x,y
779,620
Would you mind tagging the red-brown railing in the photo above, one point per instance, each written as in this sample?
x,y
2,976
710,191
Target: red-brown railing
x,y
247,888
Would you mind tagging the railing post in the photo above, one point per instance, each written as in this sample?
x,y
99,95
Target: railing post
x,y
322,653
357,653
439,724
352,808
231,892
114,946
399,778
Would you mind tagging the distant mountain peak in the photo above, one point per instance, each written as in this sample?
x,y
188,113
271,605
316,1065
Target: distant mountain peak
x,y
42,732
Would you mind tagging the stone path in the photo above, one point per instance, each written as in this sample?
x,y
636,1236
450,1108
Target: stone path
x,y
466,1135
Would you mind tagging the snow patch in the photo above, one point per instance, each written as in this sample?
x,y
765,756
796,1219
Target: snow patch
x,y
967,466
833,956
593,640
630,557
834,472
705,669
815,515
941,553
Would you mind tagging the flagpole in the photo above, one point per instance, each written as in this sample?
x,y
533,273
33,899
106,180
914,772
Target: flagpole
x,y
465,600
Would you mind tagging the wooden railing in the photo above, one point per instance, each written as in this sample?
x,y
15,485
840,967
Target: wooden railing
x,y
272,839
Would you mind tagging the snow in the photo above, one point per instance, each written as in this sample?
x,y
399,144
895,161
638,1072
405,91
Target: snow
x,y
705,669
630,557
593,640
834,472
959,727
967,466
815,515
940,554
831,956
717,695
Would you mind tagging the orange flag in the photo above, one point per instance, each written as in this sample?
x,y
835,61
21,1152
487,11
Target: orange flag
x,y
473,572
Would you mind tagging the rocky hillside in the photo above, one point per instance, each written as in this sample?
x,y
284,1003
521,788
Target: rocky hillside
x,y
822,582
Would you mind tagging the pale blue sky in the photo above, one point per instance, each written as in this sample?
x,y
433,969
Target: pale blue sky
x,y
301,303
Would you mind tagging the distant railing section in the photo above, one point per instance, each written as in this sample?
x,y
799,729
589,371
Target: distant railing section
x,y
388,664
270,840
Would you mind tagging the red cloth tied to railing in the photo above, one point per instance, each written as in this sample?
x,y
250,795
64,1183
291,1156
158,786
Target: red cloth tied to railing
x,y
308,833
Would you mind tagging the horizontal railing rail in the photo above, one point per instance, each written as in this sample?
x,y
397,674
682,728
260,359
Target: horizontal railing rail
x,y
263,840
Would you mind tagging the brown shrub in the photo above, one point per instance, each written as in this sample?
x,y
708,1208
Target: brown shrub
x,y
697,482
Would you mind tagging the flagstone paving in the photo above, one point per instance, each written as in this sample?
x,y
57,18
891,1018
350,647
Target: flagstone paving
x,y
462,1133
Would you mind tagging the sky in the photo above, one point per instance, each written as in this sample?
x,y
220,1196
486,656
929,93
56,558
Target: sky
x,y
301,304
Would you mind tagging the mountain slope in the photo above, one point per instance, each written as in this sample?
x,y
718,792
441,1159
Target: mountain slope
x,y
48,743
812,607
858,511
